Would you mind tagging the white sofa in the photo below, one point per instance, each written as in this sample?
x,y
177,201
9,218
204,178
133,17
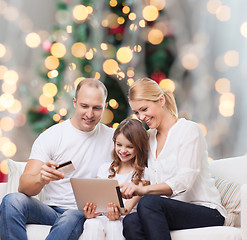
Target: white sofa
x,y
231,170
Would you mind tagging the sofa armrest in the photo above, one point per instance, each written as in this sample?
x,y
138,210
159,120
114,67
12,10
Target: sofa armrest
x,y
244,211
3,190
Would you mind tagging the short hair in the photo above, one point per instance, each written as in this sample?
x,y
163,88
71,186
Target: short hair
x,y
148,89
92,82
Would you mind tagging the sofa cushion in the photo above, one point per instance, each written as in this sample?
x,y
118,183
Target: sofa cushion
x,y
15,169
212,233
230,199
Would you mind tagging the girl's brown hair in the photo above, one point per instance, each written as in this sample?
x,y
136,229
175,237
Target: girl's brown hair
x,y
134,131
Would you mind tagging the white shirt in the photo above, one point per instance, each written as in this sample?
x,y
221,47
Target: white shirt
x,y
183,165
121,178
87,151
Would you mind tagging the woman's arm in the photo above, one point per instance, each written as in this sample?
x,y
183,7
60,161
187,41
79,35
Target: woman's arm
x,y
129,190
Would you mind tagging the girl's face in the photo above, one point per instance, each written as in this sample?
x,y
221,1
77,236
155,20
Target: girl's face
x,y
149,112
124,148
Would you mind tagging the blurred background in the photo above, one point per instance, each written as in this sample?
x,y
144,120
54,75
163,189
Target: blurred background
x,y
196,49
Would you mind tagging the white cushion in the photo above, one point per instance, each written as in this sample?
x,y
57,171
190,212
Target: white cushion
x,y
208,233
15,169
37,232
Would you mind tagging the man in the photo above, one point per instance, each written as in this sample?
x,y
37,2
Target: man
x,y
83,140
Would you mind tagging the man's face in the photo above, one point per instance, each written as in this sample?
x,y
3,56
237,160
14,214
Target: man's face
x,y
89,107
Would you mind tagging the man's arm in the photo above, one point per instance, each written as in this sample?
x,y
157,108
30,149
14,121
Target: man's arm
x,y
36,175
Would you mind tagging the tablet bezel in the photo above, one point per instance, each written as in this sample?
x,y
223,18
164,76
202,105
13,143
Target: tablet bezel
x,y
98,191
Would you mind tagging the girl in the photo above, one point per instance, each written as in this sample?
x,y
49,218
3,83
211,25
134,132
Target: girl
x,y
183,194
129,156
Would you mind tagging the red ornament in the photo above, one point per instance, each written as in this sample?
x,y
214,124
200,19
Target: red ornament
x,y
3,177
47,45
119,29
43,110
158,76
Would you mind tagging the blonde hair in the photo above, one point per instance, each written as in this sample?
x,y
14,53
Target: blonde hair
x,y
148,89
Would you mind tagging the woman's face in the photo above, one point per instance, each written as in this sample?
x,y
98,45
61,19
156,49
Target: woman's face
x,y
149,112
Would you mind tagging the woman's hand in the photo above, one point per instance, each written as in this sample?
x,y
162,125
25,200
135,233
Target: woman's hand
x,y
112,212
129,190
89,211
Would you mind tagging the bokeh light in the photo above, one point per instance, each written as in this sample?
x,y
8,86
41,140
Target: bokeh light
x,y
227,104
79,49
51,62
15,107
80,13
107,116
167,84
223,85
231,58
63,112
115,125
124,54
6,100
243,29
110,67
4,166
2,50
190,61
8,88
113,103
50,89
7,123
223,13
3,70
33,40
11,77
45,100
58,50
9,149
159,4
150,13
155,36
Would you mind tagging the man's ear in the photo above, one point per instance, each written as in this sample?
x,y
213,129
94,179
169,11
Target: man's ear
x,y
74,101
106,104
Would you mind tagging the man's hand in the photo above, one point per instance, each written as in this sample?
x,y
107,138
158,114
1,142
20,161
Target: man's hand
x,y
112,212
49,173
89,211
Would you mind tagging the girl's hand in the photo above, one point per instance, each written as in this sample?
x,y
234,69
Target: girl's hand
x,y
112,212
129,190
89,211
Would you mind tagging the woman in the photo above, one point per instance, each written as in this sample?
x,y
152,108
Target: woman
x,y
181,195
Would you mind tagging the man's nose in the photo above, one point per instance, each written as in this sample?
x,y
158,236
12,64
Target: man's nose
x,y
90,113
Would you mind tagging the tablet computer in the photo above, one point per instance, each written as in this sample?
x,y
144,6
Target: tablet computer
x,y
98,191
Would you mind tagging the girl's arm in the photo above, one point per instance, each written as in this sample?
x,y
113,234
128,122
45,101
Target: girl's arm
x,y
130,203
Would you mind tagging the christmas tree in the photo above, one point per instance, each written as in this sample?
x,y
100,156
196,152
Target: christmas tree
x,y
114,41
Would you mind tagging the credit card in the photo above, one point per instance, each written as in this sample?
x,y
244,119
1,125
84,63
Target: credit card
x,y
66,167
